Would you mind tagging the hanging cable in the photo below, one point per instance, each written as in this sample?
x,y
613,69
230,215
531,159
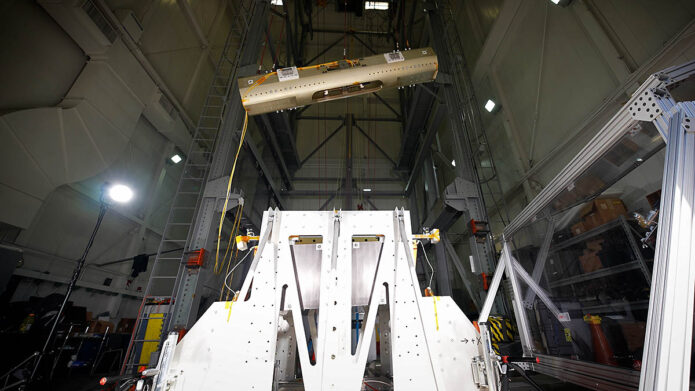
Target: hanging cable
x,y
265,44
345,31
232,235
277,53
428,263
226,277
229,188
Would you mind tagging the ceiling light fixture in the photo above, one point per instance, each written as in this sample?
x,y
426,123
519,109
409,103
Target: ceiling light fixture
x,y
376,5
120,193
275,2
366,189
176,159
490,105
555,1
453,163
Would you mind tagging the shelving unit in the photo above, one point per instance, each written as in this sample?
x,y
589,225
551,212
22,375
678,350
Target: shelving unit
x,y
601,273
638,261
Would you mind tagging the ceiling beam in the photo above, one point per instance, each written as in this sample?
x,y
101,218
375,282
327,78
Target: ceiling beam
x,y
353,32
354,192
335,179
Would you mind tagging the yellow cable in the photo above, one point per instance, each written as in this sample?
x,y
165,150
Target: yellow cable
x,y
263,78
229,188
232,235
235,228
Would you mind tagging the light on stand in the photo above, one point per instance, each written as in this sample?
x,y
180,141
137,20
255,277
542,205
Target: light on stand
x,y
120,193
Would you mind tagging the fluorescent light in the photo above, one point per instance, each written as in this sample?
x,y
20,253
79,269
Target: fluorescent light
x,y
120,193
453,163
275,2
366,189
376,5
555,1
489,105
176,159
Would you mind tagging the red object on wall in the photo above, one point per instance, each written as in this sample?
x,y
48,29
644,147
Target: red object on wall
x,y
182,332
196,258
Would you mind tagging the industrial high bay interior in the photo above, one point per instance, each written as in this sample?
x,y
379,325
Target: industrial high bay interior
x,y
347,194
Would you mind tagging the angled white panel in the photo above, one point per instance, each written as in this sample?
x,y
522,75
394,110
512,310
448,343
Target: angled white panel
x,y
39,130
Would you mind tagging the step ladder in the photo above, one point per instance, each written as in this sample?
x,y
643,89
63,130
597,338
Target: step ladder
x,y
156,310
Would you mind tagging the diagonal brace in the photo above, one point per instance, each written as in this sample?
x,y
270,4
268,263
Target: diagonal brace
x,y
322,144
382,100
375,145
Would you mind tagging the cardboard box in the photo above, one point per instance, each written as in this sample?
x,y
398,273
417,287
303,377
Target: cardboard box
x,y
100,326
595,245
587,185
634,334
609,209
591,221
578,228
125,325
589,261
601,211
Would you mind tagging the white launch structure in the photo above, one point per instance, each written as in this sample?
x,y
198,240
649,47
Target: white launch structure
x,y
310,271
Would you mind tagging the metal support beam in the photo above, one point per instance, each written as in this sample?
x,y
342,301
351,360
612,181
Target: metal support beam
x,y
330,136
325,50
541,258
382,100
358,39
463,116
189,299
347,200
354,32
375,145
468,279
343,192
271,46
542,294
328,201
269,133
289,39
443,280
422,152
277,191
321,118
668,341
369,201
519,309
335,179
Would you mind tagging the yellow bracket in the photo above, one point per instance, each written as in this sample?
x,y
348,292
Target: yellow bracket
x,y
432,236
242,241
